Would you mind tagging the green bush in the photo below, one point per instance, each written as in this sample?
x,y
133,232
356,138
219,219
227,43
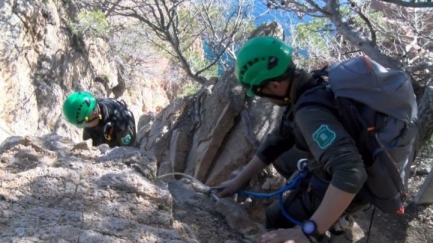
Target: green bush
x,y
190,88
93,24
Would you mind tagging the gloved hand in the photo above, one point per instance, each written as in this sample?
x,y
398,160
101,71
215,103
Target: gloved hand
x,y
229,187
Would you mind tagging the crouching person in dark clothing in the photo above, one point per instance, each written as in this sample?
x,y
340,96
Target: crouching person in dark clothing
x,y
104,120
336,169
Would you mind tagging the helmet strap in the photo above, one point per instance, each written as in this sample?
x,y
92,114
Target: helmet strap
x,y
98,117
99,112
275,97
288,77
292,74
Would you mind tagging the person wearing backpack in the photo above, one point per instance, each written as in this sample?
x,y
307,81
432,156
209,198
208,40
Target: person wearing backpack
x,y
104,120
358,129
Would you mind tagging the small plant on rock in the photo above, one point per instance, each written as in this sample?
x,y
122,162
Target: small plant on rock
x,y
93,24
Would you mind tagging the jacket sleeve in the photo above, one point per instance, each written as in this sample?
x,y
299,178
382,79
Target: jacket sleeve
x,y
332,147
125,130
87,134
280,140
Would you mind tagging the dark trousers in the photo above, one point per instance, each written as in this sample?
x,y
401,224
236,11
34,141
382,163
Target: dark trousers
x,y
300,204
286,164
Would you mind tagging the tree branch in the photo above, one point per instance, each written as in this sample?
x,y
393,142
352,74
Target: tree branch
x,y
425,115
420,66
366,20
411,4
363,44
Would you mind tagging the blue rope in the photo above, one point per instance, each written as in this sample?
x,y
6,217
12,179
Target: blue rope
x,y
289,186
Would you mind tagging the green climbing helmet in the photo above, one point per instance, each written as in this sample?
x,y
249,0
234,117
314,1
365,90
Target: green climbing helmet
x,y
262,59
78,107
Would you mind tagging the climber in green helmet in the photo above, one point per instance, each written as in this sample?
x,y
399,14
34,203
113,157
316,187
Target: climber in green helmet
x,y
263,61
104,120
264,67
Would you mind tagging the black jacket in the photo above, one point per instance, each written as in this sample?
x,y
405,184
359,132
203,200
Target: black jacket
x,y
331,151
117,127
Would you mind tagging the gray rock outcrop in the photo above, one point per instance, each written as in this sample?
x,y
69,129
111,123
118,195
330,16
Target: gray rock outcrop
x,y
52,189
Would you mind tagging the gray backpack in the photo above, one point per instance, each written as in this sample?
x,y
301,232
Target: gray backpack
x,y
377,106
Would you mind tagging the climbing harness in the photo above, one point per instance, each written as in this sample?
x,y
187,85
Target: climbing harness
x,y
292,184
371,224
108,131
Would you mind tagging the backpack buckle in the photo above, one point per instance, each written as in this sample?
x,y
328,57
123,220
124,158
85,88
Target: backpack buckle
x,y
108,131
400,210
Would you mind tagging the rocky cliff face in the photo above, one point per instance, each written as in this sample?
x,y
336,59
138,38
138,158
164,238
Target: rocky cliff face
x,y
214,132
42,62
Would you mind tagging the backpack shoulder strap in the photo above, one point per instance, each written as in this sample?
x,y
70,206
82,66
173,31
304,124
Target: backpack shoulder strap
x,y
318,96
320,73
122,103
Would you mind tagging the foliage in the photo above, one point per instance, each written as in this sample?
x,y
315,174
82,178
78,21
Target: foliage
x,y
181,28
312,41
189,88
321,44
198,61
227,25
93,24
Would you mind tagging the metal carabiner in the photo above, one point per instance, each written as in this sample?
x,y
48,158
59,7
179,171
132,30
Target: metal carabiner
x,y
302,164
212,194
108,131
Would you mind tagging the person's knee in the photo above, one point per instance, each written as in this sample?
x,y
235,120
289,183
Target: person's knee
x,y
270,220
298,206
275,218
